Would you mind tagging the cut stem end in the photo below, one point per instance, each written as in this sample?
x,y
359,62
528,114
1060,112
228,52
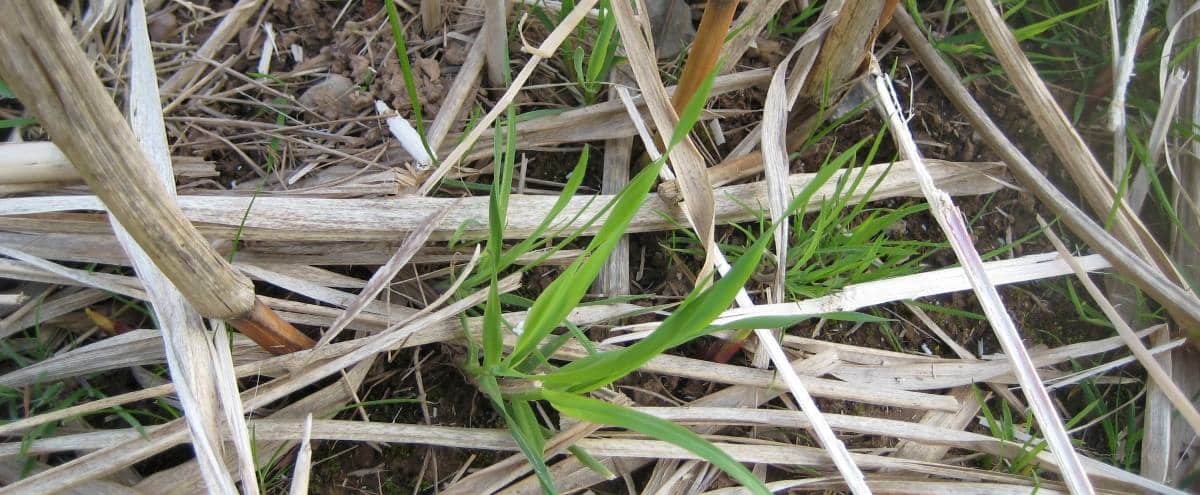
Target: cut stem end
x,y
268,330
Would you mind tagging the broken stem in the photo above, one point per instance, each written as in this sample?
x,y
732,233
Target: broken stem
x,y
46,69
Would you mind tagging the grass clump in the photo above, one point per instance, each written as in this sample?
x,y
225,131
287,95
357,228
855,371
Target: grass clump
x,y
514,380
590,53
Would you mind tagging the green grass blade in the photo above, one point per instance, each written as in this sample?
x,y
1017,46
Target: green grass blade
x,y
568,192
992,424
602,412
689,321
19,122
1027,32
577,58
786,321
591,462
272,151
406,69
493,338
525,444
568,289
523,414
601,57
868,230
691,112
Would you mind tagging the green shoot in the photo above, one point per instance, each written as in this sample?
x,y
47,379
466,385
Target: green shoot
x,y
605,413
549,310
591,76
21,122
273,153
406,69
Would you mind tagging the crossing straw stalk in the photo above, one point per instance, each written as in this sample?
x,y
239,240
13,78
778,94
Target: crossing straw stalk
x,y
43,65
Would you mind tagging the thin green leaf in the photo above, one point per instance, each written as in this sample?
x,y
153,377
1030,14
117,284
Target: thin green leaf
x,y
602,412
1026,32
523,414
577,57
406,69
527,446
787,321
564,198
691,112
493,338
689,321
601,56
558,299
591,462
21,122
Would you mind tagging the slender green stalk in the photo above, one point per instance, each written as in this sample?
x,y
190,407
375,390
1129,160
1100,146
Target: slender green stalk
x,y
406,69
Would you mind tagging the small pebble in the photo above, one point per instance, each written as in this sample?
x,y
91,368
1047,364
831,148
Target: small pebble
x,y
332,98
162,26
671,25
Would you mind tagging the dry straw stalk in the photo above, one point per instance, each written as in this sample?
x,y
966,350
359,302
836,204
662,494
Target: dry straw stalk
x,y
42,62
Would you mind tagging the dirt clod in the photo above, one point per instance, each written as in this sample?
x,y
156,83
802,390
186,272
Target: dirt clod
x,y
162,26
332,98
672,26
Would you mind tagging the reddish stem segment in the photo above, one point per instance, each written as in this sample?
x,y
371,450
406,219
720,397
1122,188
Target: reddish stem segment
x,y
269,331
702,58
44,66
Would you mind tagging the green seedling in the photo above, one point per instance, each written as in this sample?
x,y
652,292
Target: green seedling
x,y
970,41
592,70
842,244
1003,427
591,51
272,473
794,25
273,152
527,361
